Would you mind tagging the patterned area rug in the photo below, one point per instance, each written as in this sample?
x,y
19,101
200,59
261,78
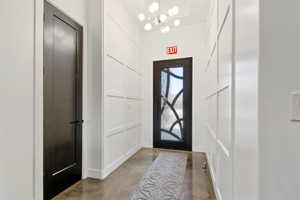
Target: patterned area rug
x,y
164,179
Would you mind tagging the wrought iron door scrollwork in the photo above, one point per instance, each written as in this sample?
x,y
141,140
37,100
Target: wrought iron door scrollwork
x,y
169,76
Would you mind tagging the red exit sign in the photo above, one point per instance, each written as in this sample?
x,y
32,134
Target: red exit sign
x,y
172,50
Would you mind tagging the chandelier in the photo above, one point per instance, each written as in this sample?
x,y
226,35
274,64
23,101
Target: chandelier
x,y
153,18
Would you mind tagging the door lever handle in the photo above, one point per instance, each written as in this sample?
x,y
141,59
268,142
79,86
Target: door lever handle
x,y
78,122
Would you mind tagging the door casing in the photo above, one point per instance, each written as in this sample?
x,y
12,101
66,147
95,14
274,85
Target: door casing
x,y
188,86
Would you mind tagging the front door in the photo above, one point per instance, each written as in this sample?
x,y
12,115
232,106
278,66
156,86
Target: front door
x,y
62,101
173,104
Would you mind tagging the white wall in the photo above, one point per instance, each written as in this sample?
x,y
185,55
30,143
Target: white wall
x,y
278,77
122,78
217,91
231,99
191,42
95,84
246,100
16,107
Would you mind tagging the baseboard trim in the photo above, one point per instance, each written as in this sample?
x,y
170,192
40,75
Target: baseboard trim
x,y
148,146
94,173
213,179
102,174
116,164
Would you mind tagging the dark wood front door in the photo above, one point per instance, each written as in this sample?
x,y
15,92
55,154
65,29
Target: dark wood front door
x,y
173,104
62,102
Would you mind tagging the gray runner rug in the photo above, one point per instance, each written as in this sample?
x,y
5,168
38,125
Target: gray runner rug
x,y
164,179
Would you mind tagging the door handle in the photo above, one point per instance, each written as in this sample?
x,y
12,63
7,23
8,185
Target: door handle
x,y
77,122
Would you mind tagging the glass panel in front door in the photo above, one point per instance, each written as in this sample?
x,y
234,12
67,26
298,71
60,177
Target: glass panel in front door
x,y
171,110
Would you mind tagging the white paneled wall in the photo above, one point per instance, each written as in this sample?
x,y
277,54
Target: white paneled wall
x,y
121,90
218,99
230,99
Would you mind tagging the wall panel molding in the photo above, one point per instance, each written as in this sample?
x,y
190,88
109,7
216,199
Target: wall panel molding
x,y
122,93
217,98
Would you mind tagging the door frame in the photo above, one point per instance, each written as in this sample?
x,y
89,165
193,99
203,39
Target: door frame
x,y
188,145
37,148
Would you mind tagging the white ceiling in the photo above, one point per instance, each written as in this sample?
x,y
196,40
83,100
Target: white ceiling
x,y
191,11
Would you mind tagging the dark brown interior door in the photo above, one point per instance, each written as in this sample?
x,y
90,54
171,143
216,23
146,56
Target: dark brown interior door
x,y
173,104
62,101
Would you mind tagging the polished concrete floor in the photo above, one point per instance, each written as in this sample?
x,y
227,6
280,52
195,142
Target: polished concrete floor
x,y
118,186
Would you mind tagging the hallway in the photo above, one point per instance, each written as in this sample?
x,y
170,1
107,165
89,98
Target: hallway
x,y
91,91
123,181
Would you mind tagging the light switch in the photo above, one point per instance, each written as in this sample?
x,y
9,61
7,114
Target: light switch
x,y
295,108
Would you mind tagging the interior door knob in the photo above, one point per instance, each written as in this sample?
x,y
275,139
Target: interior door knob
x,y
77,122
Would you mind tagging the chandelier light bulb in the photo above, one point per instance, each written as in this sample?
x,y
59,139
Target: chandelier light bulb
x,y
141,17
148,27
165,29
154,7
163,18
177,22
173,11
